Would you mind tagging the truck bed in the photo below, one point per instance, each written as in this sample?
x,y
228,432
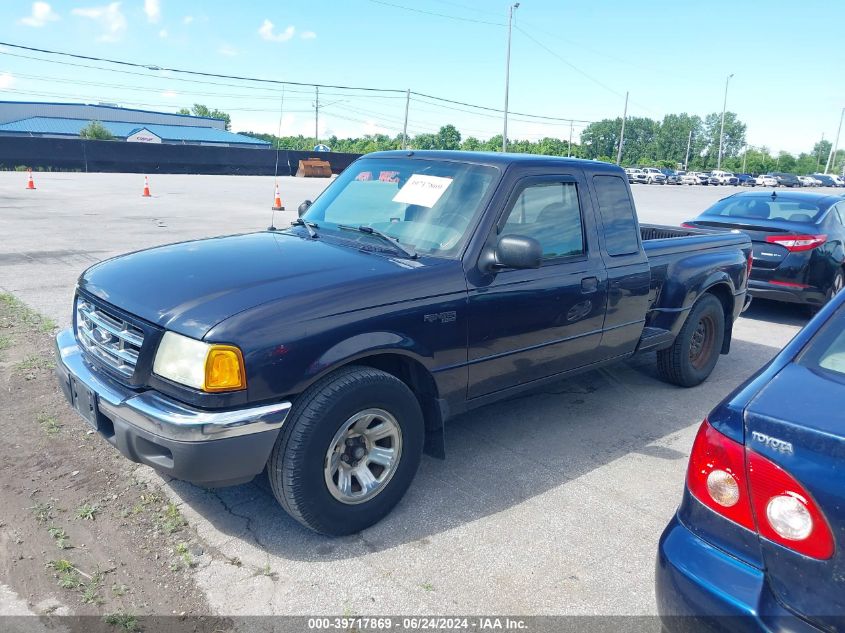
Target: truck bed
x,y
659,240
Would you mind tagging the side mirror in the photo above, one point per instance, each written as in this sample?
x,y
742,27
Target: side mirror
x,y
304,207
515,251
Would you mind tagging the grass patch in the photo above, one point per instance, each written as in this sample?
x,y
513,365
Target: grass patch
x,y
5,342
24,315
91,590
124,621
119,590
67,574
34,362
87,512
50,424
427,586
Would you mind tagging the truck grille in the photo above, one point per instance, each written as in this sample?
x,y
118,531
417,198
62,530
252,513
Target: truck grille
x,y
108,338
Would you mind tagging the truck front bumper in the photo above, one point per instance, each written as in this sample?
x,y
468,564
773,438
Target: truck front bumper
x,y
212,448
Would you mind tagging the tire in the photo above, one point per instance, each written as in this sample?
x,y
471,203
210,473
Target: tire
x,y
299,465
836,285
693,355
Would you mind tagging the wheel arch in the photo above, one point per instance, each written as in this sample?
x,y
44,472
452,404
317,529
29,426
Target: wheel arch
x,y
724,293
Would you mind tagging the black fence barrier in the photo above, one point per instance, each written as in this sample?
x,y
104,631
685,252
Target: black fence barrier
x,y
154,158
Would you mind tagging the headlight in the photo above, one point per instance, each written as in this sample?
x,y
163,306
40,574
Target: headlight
x,y
205,366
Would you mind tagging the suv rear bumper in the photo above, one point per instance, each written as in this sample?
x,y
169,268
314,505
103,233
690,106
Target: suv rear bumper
x,y
701,588
213,448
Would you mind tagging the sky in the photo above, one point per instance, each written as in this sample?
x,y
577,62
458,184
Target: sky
x,y
568,61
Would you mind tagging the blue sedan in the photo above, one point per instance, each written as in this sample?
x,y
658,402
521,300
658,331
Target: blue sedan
x,y
758,542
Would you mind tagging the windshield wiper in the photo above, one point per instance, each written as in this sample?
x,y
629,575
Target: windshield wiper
x,y
309,226
393,241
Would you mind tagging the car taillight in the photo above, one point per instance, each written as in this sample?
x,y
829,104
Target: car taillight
x,y
716,475
785,511
686,225
749,264
797,243
748,489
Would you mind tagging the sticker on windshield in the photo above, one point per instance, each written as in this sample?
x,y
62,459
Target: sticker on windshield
x,y
422,190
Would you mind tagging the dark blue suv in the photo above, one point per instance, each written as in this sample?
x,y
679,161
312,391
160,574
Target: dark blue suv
x,y
757,543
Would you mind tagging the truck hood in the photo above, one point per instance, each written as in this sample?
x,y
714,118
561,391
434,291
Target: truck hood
x,y
191,286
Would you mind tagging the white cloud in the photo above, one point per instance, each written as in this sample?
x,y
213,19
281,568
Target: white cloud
x,y
266,32
308,35
6,80
110,18
187,19
227,50
42,13
162,33
153,10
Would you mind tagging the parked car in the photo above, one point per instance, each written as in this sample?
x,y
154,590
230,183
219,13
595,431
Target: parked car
x,y
636,175
798,238
654,176
330,353
787,180
767,180
757,543
746,180
672,177
692,178
808,181
828,180
718,177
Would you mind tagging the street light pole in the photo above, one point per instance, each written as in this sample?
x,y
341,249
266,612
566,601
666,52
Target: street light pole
x,y
689,143
405,127
508,75
835,147
622,132
722,130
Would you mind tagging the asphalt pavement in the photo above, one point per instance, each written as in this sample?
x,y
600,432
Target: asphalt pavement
x,y
551,503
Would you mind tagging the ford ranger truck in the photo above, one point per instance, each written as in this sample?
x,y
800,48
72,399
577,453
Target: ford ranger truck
x,y
417,286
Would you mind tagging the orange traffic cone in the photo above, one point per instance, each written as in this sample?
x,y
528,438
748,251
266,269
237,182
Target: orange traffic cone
x,y
277,202
146,193
30,184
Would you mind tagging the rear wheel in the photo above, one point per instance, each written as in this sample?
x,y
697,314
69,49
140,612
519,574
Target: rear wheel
x,y
836,285
348,451
693,355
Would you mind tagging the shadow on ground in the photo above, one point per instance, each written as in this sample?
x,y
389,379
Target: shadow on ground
x,y
500,456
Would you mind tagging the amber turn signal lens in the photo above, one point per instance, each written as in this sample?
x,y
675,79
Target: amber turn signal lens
x,y
224,369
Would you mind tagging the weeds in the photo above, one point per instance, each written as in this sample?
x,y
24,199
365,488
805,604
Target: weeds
x,y
119,590
49,423
43,512
185,554
172,520
67,574
25,315
267,572
91,591
5,342
87,512
61,538
427,586
125,621
34,362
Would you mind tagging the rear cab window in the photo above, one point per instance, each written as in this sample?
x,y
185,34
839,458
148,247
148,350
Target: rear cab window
x,y
621,231
825,353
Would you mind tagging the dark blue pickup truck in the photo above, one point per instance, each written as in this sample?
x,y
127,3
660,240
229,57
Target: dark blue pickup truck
x,y
418,286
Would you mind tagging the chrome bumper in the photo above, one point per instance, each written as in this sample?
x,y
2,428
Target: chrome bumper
x,y
157,414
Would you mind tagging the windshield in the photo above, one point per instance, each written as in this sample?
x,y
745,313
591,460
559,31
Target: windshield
x,y
428,205
766,208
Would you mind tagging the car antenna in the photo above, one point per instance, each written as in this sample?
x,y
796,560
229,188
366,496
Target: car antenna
x,y
774,194
272,226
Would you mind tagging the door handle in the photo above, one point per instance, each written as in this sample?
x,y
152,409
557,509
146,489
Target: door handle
x,y
589,284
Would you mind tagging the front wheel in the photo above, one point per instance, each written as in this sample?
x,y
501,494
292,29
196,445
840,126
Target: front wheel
x,y
348,451
693,355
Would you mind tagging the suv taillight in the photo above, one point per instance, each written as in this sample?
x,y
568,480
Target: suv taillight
x,y
797,243
748,489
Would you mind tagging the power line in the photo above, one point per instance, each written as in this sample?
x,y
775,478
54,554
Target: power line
x,y
434,13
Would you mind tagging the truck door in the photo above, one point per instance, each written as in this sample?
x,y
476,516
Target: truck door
x,y
528,324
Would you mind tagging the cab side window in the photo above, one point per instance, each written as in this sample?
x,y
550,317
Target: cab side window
x,y
621,232
551,214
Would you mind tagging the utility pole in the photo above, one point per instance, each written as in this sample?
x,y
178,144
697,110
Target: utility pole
x,y
744,158
835,146
722,130
569,149
405,127
316,115
622,131
508,75
689,144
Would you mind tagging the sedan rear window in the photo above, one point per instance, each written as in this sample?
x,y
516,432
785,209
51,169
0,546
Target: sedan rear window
x,y
826,351
766,208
